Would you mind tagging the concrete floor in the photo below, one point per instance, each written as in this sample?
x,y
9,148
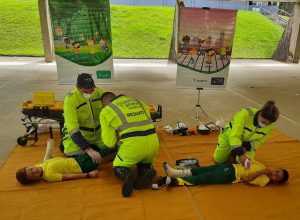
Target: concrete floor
x,y
251,83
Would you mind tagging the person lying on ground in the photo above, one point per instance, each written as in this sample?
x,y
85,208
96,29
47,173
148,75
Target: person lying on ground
x,y
60,169
257,174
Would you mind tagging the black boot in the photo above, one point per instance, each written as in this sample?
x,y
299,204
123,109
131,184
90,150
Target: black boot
x,y
128,184
128,176
61,147
145,175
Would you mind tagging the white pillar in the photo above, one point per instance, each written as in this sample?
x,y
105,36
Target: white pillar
x,y
295,35
46,30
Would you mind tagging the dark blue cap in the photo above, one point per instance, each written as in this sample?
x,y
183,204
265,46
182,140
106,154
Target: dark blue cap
x,y
85,80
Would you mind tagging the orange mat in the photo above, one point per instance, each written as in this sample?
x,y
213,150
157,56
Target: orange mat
x,y
101,198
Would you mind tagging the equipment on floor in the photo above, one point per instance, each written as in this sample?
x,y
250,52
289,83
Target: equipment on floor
x,y
203,129
181,128
38,112
156,113
168,129
30,135
181,131
212,126
186,163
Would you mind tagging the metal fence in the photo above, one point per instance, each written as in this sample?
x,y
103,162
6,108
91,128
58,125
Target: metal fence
x,y
272,14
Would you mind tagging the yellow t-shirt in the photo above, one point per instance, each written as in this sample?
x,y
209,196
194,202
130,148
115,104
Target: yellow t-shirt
x,y
241,172
53,169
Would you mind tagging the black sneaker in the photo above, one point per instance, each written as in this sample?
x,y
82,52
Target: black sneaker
x,y
162,182
128,184
142,182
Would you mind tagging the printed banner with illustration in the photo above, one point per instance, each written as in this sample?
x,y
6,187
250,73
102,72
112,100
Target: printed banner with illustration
x,y
204,47
82,39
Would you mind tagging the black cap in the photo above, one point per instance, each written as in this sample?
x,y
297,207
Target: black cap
x,y
85,80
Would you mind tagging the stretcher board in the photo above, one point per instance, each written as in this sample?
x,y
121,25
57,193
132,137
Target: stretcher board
x,y
34,115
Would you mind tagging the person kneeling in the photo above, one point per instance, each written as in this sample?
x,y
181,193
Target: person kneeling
x,y
257,174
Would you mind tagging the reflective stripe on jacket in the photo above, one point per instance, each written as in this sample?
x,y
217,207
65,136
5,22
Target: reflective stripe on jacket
x,y
242,129
128,116
82,114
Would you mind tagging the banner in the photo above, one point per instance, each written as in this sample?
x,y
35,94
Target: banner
x,y
82,39
204,47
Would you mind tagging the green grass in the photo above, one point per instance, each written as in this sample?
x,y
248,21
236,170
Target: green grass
x,y
141,32
20,28
285,17
137,32
255,36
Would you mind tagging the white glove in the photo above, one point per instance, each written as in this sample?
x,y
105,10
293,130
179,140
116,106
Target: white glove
x,y
96,157
247,163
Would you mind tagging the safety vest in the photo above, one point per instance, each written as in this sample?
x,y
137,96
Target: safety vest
x,y
242,129
134,116
81,114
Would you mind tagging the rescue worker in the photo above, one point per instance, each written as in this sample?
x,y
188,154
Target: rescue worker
x,y
127,121
81,131
245,133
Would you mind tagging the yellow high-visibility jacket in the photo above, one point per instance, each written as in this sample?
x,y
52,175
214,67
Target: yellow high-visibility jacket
x,y
242,128
82,114
126,117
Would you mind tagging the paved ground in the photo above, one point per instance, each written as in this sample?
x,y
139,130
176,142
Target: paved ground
x,y
251,83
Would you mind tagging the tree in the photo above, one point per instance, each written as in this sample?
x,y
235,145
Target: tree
x,y
282,52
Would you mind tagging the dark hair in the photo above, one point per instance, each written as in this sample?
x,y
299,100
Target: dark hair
x,y
22,177
270,111
107,97
285,177
85,80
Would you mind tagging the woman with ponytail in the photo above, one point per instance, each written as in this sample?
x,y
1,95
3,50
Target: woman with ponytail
x,y
245,133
